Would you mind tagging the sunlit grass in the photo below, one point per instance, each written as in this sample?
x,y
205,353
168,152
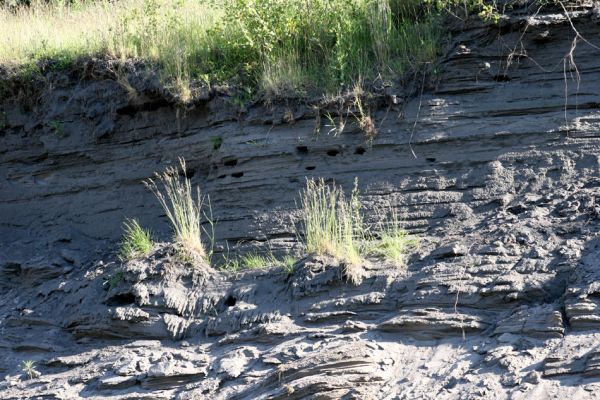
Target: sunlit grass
x,y
276,47
56,31
137,241
331,223
254,260
334,225
183,207
393,242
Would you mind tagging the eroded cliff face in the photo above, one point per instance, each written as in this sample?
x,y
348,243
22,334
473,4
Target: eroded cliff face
x,y
495,166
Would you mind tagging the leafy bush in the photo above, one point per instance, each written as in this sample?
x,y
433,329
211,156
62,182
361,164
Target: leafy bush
x,y
329,42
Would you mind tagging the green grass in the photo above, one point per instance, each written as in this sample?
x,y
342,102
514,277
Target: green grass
x,y
137,242
275,47
183,209
334,225
331,224
216,142
28,367
288,264
58,128
393,242
253,261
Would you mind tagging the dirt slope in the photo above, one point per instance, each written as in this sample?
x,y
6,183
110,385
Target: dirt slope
x,y
500,301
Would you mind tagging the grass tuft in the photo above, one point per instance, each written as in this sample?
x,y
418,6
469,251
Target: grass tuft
x,y
183,209
334,225
289,262
137,242
28,367
394,242
257,261
252,261
366,123
331,224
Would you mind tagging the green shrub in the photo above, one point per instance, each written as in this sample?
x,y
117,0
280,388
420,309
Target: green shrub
x,y
324,43
137,242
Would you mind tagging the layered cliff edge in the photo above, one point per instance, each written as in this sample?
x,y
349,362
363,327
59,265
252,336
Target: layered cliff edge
x,y
494,164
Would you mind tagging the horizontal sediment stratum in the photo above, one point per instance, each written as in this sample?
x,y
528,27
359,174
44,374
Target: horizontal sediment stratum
x,y
494,163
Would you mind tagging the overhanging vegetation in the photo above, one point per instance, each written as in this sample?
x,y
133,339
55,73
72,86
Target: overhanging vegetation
x,y
272,47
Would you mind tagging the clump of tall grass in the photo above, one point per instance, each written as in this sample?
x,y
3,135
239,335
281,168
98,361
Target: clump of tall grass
x,y
334,225
171,35
137,241
331,224
174,35
183,209
393,242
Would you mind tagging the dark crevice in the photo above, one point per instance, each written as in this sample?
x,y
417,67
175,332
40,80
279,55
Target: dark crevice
x,y
230,163
360,150
132,109
502,78
517,209
122,299
310,168
237,174
302,149
333,152
230,301
189,172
